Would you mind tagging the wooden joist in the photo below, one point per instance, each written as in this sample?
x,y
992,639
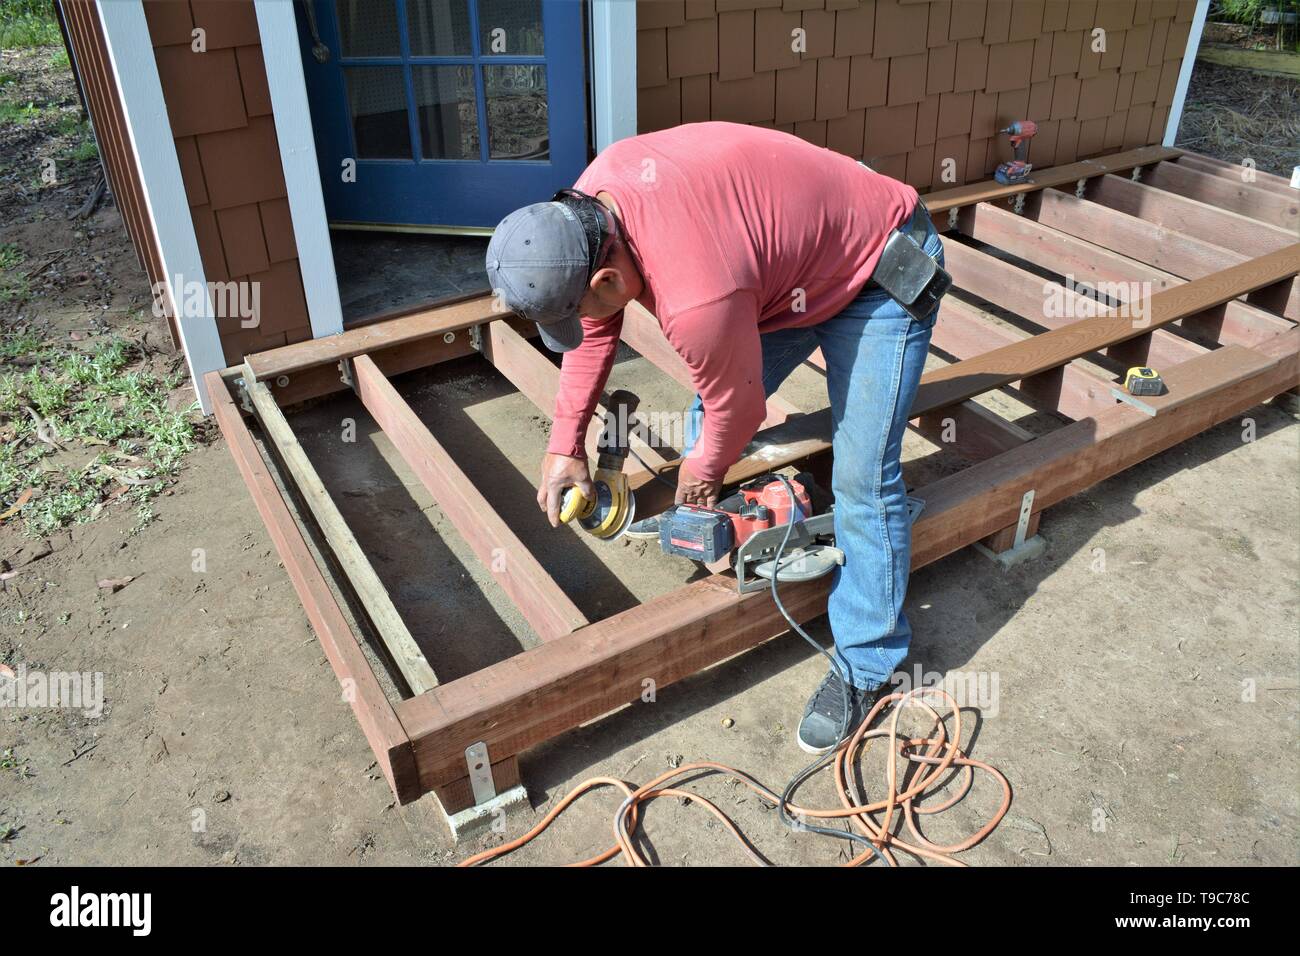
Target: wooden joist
x,y
369,589
1068,390
1041,352
1274,208
1238,323
544,605
969,429
440,322
1250,237
1031,298
1237,173
385,734
1178,253
538,380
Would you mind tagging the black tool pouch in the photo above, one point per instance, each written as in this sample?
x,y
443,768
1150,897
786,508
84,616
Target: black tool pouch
x,y
914,280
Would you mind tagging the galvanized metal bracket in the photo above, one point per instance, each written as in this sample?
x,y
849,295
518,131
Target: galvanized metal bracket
x,y
476,338
245,402
952,218
1026,512
480,772
1080,188
1136,174
346,374
1018,204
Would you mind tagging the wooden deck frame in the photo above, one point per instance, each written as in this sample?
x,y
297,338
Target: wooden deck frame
x,y
580,670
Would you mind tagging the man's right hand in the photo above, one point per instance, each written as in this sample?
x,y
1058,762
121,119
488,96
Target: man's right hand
x,y
558,473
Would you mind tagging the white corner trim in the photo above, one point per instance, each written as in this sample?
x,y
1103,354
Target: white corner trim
x,y
284,76
1185,73
613,70
130,53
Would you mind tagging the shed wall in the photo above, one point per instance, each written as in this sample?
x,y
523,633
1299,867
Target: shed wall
x,y
918,88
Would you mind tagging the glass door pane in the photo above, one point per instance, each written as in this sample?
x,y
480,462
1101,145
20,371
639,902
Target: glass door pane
x,y
368,27
447,111
510,28
377,109
439,27
518,112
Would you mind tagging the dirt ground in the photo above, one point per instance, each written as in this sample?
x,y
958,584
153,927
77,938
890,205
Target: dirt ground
x,y
1146,666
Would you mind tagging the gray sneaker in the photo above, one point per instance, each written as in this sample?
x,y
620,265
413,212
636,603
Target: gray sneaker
x,y
820,729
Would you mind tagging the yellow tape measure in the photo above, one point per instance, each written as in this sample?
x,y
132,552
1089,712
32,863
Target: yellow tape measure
x,y
1141,380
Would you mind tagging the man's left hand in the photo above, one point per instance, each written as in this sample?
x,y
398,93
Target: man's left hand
x,y
696,491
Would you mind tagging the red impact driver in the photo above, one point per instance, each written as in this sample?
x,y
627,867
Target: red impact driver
x,y
1017,171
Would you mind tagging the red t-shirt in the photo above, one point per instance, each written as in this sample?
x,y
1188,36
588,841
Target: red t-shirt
x,y
738,230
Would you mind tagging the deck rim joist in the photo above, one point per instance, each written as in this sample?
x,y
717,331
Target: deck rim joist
x,y
1222,319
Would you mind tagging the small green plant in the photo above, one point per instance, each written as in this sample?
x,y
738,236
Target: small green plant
x,y
28,23
14,114
11,761
13,284
84,151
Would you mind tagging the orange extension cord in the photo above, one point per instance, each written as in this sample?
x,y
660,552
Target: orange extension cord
x,y
938,756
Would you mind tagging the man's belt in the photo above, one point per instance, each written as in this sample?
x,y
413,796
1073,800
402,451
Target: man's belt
x,y
914,280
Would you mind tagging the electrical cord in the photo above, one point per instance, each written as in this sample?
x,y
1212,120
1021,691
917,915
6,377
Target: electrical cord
x,y
798,779
939,756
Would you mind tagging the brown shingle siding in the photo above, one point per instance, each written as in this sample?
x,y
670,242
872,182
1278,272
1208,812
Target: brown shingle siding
x,y
219,108
242,239
226,23
252,77
905,84
202,90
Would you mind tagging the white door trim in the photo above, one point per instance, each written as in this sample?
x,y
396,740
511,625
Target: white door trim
x,y
613,70
1185,72
285,78
131,57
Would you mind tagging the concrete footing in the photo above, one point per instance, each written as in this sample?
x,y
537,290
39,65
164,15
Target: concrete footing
x,y
1030,549
475,818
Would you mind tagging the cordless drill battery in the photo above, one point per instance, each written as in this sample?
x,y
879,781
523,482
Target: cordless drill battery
x,y
701,534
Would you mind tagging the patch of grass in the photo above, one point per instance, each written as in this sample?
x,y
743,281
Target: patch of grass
x,y
10,256
13,284
28,23
93,399
14,114
84,151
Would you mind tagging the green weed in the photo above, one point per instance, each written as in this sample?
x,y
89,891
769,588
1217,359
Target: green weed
x,y
95,399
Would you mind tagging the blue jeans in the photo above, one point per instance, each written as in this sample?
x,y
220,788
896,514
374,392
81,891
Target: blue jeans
x,y
875,353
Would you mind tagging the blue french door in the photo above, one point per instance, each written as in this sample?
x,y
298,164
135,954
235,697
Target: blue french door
x,y
445,113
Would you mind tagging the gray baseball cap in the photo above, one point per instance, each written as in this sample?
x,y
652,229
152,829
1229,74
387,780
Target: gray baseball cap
x,y
538,262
